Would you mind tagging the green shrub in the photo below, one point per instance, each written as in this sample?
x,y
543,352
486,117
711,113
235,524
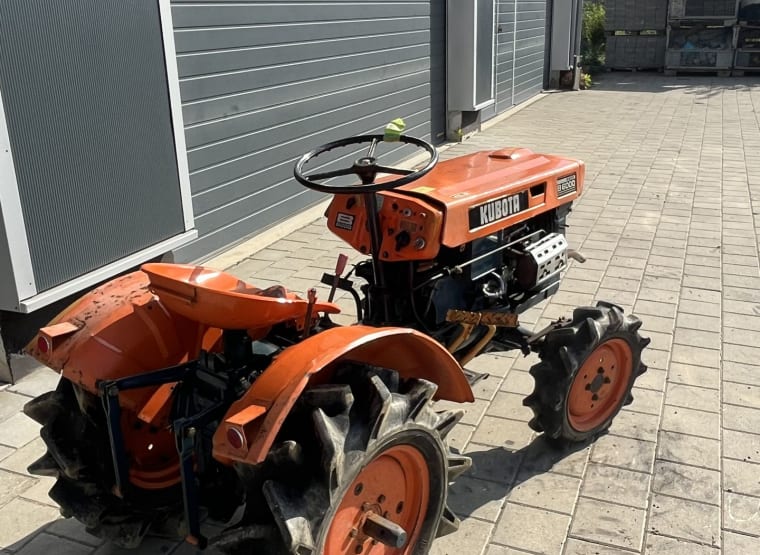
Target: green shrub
x,y
592,35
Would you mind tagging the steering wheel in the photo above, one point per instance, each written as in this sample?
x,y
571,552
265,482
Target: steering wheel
x,y
365,168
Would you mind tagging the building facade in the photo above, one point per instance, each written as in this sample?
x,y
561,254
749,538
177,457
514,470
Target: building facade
x,y
151,126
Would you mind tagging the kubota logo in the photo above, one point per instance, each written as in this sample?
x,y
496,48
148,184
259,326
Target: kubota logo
x,y
498,209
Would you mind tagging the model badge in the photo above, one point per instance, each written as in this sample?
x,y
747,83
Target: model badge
x,y
566,185
498,209
344,221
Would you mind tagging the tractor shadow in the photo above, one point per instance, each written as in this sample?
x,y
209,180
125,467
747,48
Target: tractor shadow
x,y
498,471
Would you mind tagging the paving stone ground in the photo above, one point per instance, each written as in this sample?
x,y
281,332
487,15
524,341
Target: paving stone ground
x,y
670,223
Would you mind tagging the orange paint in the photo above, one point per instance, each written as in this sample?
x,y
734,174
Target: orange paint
x,y
220,300
434,210
599,385
411,353
156,404
395,484
246,416
122,329
420,221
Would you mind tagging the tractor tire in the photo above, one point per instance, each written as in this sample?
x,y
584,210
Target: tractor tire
x,y
374,470
78,455
586,373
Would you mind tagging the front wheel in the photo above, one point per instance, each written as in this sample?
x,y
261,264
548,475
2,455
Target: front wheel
x,y
586,373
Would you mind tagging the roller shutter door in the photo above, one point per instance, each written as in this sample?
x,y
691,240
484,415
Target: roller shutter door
x,y
520,51
530,41
262,82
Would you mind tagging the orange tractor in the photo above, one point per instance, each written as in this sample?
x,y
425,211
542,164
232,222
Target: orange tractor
x,y
187,393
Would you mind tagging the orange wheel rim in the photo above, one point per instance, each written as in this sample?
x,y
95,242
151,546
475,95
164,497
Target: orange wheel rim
x,y
599,385
395,485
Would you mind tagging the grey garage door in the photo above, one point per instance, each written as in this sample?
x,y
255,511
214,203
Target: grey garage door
x,y
520,45
262,82
84,88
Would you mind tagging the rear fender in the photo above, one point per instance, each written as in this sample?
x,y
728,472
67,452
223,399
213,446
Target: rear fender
x,y
256,418
117,330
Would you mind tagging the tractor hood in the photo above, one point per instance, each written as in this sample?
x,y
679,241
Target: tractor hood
x,y
480,192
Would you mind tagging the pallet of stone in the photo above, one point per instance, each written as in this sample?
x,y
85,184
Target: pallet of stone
x,y
635,15
702,9
699,45
635,52
697,60
633,69
748,37
749,12
629,33
682,72
747,61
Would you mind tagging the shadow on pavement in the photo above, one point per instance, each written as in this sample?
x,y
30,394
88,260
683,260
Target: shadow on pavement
x,y
701,85
497,471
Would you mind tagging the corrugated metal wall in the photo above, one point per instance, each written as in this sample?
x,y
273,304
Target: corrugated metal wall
x,y
530,41
505,53
262,82
87,108
520,51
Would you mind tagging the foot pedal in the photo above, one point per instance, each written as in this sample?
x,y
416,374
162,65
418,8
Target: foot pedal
x,y
474,377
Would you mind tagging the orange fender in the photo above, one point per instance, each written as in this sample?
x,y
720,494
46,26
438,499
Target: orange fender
x,y
117,330
255,419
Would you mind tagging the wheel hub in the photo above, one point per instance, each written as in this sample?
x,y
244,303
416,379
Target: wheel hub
x,y
599,380
384,507
600,385
382,530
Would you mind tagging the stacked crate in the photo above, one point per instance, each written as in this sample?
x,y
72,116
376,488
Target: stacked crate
x,y
747,57
701,36
635,34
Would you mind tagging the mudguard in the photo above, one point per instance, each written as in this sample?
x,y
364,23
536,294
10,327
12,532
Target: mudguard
x,y
116,330
255,419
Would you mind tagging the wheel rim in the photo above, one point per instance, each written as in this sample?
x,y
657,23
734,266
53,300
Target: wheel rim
x,y
600,385
394,485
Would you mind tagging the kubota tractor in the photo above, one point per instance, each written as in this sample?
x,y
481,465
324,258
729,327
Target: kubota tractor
x,y
187,393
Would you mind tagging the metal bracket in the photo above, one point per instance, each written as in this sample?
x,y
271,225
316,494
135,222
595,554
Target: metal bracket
x,y
109,396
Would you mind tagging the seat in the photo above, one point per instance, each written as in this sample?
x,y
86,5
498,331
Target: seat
x,y
221,300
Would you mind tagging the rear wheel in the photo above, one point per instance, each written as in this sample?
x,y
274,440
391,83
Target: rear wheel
x,y
78,455
373,473
586,373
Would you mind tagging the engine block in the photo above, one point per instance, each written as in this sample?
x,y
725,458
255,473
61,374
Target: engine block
x,y
542,260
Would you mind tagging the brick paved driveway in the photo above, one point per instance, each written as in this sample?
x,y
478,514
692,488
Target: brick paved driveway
x,y
670,224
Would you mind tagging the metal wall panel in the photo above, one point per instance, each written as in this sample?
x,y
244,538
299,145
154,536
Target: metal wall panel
x,y
530,43
505,54
87,109
263,82
520,45
8,294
